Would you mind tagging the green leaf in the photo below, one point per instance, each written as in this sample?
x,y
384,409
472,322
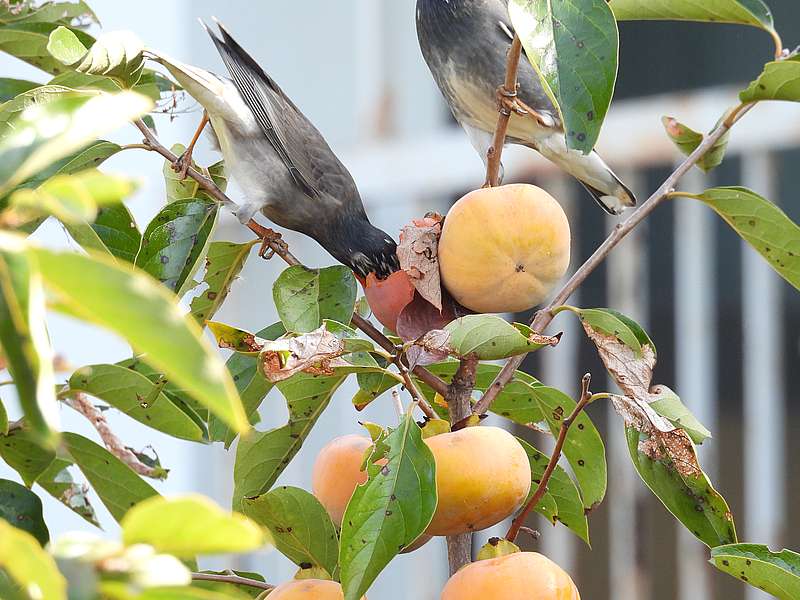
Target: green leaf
x,y
573,45
777,573
669,405
224,262
180,189
73,198
390,511
189,525
562,500
117,55
136,396
687,140
129,303
65,46
174,242
779,81
299,524
371,386
762,225
743,12
25,342
306,297
113,231
667,463
57,481
22,508
118,487
489,337
28,42
583,446
21,451
3,416
38,96
24,560
262,457
45,133
613,323
11,88
49,12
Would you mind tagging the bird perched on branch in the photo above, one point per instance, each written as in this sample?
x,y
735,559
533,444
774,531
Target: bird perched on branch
x,y
465,43
280,160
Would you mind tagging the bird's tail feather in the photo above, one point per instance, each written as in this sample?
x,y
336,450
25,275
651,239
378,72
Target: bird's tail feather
x,y
590,170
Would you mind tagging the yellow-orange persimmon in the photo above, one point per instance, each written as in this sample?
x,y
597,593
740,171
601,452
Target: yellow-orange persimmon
x,y
519,576
504,249
482,476
308,589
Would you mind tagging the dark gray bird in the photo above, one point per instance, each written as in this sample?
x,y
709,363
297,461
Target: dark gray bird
x,y
465,43
281,161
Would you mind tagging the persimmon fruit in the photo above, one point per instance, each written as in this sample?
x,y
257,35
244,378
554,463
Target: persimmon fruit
x,y
504,249
388,297
518,576
308,589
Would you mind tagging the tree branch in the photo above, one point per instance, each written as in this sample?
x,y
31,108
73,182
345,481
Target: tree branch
x,y
232,579
509,90
583,402
545,316
206,183
459,396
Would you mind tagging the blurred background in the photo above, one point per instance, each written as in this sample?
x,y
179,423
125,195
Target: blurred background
x,y
727,328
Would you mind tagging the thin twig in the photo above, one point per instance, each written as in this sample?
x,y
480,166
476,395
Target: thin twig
x,y
206,183
495,154
232,579
81,403
543,318
583,402
412,388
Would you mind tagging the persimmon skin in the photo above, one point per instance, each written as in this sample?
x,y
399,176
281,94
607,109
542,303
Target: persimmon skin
x,y
483,475
519,576
308,589
504,249
337,472
388,297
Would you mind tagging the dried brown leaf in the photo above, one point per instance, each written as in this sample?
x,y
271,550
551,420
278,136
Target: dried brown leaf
x,y
419,257
316,353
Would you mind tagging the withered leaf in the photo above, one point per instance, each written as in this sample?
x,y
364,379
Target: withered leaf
x,y
316,353
418,253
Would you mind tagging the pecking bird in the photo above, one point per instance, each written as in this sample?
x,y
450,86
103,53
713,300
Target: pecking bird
x,y
284,166
465,43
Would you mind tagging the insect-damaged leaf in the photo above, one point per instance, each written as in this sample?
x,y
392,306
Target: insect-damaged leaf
x,y
390,511
418,252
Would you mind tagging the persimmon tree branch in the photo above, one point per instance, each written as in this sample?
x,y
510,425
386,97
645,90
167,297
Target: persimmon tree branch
x,y
583,402
543,318
509,91
232,579
279,247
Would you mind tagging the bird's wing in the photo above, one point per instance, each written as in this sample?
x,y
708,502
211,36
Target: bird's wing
x,y
275,114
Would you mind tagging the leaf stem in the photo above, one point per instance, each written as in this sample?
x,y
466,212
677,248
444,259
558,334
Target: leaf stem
x,y
495,153
584,401
232,579
279,247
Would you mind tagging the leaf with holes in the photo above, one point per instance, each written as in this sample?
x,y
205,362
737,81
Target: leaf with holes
x,y
21,451
118,487
224,262
25,341
489,337
136,396
562,500
667,463
687,140
573,45
390,511
777,573
761,224
306,297
418,253
299,524
189,525
23,509
583,446
27,564
175,240
262,457
57,481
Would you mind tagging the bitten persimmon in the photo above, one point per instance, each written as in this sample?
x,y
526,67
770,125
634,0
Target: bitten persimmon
x,y
504,249
519,576
388,297
308,589
482,476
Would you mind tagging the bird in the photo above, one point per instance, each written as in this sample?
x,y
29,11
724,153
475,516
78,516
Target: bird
x,y
282,163
465,44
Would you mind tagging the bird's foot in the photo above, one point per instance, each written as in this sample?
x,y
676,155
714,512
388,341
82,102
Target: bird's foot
x,y
271,241
508,103
182,165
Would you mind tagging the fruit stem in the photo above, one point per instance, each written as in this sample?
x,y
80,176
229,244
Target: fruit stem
x,y
583,402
